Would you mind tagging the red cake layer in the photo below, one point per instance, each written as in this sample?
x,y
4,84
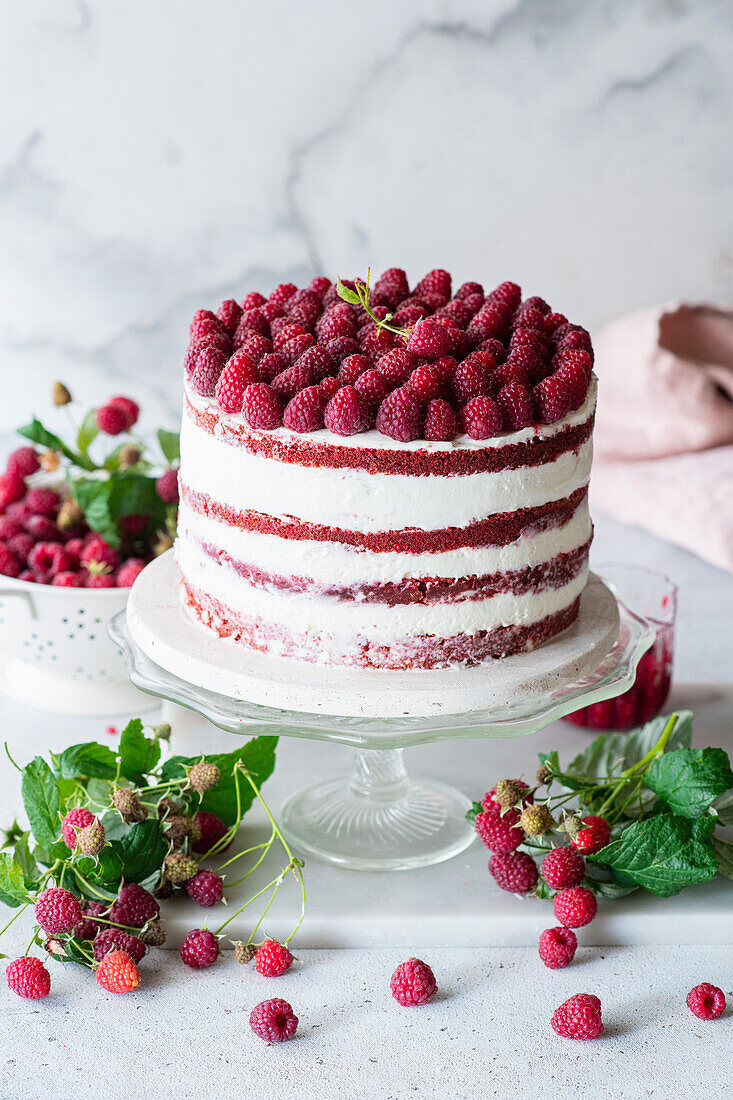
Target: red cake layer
x,y
417,652
556,573
302,451
499,529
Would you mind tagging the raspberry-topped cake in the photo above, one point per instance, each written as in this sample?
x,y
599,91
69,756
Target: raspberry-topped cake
x,y
379,477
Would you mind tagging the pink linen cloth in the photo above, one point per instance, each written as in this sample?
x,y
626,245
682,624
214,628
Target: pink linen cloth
x,y
664,426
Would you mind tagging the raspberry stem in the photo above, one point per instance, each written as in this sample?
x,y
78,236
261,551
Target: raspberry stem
x,y
360,296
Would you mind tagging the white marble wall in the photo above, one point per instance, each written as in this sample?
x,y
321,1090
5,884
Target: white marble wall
x,y
158,155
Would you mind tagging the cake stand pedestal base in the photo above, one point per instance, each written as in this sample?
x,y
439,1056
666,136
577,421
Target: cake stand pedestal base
x,y
379,818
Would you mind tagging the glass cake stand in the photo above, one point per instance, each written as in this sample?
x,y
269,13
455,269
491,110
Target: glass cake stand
x,y
379,818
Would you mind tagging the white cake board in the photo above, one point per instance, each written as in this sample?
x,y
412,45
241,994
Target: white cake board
x,y
455,902
160,626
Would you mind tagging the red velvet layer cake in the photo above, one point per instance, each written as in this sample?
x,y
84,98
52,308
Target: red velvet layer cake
x,y
394,480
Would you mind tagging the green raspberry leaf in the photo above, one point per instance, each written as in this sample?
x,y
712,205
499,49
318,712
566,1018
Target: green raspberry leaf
x,y
347,294
663,854
258,757
36,432
688,780
724,851
25,860
94,497
612,753
138,754
170,445
141,850
12,882
40,791
88,760
723,807
88,431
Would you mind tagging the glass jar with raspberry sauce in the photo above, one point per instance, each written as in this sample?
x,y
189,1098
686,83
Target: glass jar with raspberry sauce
x,y
654,596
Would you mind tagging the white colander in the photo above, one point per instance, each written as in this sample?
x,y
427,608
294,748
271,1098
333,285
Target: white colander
x,y
55,653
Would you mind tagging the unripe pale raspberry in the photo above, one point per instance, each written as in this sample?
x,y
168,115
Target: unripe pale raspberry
x,y
536,820
575,907
75,819
203,776
244,952
562,868
544,774
128,805
508,792
178,827
91,839
413,983
179,868
557,947
153,935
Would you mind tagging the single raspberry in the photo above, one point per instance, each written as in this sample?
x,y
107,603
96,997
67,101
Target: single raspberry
x,y
446,367
319,285
240,372
551,399
304,297
294,348
488,324
256,346
413,983
346,413
253,300
441,422
514,871
42,528
396,366
272,959
436,281
305,313
282,294
177,827
576,907
130,526
524,364
179,868
554,320
557,947
129,571
373,388
393,284
304,412
99,580
22,462
111,419
563,867
408,315
425,381
9,528
474,302
351,368
271,365
99,556
244,952
45,556
705,1001
330,385
528,317
273,1020
20,546
400,415
507,292
134,907
578,1018
340,347
576,377
318,361
428,339
204,775
117,973
252,320
229,313
200,949
211,829
89,927
205,888
574,337
12,490
593,837
58,910
508,792
42,502
130,408
201,317
28,977
480,418
283,332
530,339
457,311
333,326
292,380
128,805
472,377
153,935
536,820
210,362
376,343
262,407
271,312
498,833
9,564
91,839
515,405
466,290
114,939
67,579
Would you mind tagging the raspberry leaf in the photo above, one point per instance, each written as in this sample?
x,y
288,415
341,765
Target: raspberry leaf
x,y
723,807
170,445
663,854
138,754
107,869
88,431
257,756
36,432
141,849
348,294
688,780
88,760
12,882
40,791
724,852
610,754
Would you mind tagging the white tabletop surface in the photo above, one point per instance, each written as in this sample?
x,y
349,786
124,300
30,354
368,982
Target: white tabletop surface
x,y
486,1034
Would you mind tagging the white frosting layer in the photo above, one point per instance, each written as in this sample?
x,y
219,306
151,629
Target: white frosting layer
x,y
337,563
378,622
361,501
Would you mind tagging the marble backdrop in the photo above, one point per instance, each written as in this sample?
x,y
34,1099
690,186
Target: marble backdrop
x,y
158,155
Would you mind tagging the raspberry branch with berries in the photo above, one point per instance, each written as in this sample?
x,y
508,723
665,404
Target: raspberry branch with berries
x,y
78,514
114,832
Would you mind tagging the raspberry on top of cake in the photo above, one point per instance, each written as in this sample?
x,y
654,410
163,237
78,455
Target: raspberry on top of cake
x,y
386,477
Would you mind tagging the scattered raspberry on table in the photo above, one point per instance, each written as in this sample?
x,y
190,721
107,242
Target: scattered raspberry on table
x,y
579,1017
273,1020
706,1001
413,983
28,977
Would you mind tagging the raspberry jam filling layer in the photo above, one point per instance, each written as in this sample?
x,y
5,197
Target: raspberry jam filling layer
x,y
301,451
499,529
552,574
418,652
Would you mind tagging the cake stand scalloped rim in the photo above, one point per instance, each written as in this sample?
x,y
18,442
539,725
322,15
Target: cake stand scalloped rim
x,y
604,656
